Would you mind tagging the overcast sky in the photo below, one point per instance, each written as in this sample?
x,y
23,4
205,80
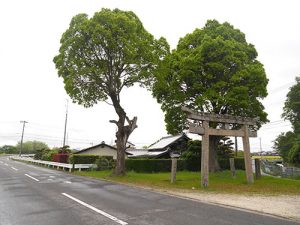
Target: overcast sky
x,y
31,90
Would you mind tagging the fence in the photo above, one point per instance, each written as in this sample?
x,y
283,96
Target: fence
x,y
54,164
276,169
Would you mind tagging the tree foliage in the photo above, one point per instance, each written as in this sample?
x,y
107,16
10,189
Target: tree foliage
x,y
291,109
294,153
225,148
8,149
101,55
214,70
288,144
283,144
193,151
31,146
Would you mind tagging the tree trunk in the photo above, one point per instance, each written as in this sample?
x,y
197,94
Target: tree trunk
x,y
121,147
122,134
213,160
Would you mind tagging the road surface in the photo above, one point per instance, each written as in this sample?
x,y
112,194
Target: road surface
x,y
31,195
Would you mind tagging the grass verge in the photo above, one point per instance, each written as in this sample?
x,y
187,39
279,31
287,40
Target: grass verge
x,y
267,157
190,181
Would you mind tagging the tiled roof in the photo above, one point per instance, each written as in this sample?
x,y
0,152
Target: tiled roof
x,y
165,141
145,153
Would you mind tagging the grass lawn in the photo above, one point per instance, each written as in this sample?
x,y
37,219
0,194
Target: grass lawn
x,y
267,157
219,182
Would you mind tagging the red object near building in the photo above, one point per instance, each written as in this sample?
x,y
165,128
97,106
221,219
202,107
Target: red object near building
x,y
62,158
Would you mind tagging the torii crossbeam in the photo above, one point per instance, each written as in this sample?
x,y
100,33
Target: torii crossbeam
x,y
227,122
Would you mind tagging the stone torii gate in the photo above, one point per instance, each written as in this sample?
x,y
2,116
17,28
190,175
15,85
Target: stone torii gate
x,y
226,122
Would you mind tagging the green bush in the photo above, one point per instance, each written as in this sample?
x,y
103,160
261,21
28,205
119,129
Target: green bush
x,y
47,155
104,163
148,165
164,165
193,164
86,159
239,164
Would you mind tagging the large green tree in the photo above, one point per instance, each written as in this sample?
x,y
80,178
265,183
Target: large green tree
x,y
288,144
8,149
291,109
283,144
101,55
31,146
212,70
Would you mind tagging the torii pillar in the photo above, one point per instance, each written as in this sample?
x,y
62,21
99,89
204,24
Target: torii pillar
x,y
226,121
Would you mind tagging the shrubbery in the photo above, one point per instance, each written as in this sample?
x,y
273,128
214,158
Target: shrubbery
x,y
86,159
239,164
45,154
105,163
164,165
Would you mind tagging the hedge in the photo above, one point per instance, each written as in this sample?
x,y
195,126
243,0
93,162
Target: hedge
x,y
164,165
86,159
239,164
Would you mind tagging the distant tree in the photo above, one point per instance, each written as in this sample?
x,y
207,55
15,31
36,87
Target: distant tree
x,y
294,153
288,144
284,143
212,70
225,148
291,109
100,56
65,149
193,150
31,146
9,149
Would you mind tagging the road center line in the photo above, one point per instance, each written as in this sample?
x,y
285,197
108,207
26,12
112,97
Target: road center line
x,y
14,168
31,177
5,164
96,210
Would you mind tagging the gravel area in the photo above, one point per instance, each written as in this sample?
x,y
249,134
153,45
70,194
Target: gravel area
x,y
286,206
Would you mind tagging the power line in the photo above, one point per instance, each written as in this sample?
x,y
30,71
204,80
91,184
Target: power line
x,y
281,88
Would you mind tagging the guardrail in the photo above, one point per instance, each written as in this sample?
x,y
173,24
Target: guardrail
x,y
53,164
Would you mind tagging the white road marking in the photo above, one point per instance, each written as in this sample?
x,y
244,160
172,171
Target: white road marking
x,y
5,164
1,162
14,168
96,210
31,177
68,182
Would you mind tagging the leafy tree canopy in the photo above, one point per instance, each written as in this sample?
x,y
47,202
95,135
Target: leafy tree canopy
x,y
9,149
31,146
291,110
294,153
288,144
214,70
101,55
283,143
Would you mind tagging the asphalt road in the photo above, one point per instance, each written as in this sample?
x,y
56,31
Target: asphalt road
x,y
31,195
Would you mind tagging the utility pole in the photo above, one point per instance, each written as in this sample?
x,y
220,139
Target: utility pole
x,y
236,146
66,119
260,147
21,147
